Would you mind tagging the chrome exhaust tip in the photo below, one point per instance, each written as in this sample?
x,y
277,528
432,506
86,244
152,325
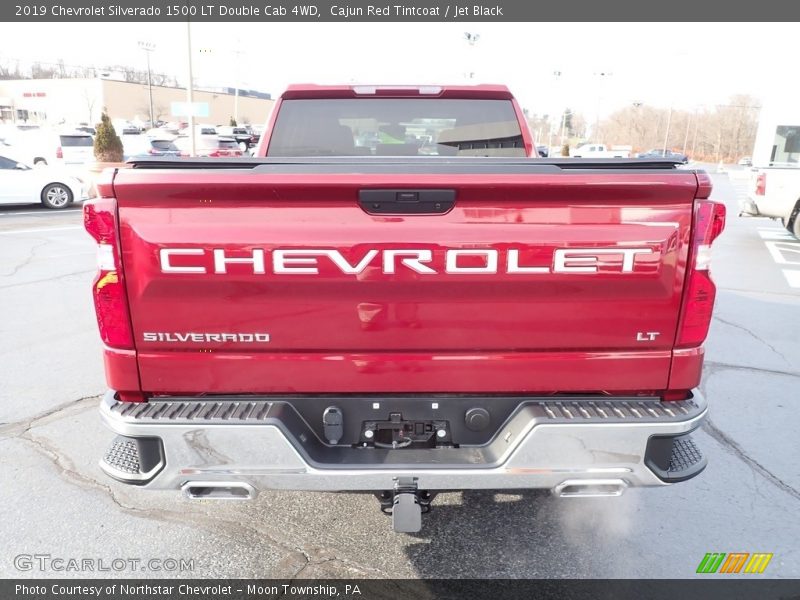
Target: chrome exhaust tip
x,y
590,488
218,490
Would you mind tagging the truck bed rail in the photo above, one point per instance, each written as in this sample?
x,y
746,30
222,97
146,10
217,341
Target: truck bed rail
x,y
411,165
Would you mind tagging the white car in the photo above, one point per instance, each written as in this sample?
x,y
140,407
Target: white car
x,y
41,148
21,184
599,151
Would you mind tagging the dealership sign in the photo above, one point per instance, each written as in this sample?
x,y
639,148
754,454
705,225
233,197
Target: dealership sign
x,y
186,109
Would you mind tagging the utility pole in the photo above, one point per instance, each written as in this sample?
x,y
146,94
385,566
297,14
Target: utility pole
x,y
694,138
669,122
148,47
686,137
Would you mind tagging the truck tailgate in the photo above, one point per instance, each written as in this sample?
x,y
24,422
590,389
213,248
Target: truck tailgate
x,y
243,281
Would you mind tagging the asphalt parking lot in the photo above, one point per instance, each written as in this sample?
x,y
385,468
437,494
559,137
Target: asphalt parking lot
x,y
55,501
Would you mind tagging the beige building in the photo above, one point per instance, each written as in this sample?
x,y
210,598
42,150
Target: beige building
x,y
73,101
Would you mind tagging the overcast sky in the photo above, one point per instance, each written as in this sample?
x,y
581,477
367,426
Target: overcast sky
x,y
683,64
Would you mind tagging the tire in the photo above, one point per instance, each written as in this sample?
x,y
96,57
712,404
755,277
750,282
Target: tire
x,y
792,224
39,162
56,196
243,146
795,227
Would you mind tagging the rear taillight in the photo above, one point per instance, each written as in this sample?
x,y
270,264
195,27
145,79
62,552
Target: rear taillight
x,y
214,154
698,299
761,184
111,305
59,152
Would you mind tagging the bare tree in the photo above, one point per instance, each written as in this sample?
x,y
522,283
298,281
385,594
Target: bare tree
x,y
724,132
90,102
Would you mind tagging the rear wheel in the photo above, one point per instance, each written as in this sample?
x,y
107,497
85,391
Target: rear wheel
x,y
795,228
56,196
793,222
39,162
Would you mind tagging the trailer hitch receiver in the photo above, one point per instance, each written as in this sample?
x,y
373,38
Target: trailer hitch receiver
x,y
406,504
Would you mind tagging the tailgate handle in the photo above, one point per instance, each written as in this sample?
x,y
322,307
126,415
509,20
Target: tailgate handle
x,y
407,202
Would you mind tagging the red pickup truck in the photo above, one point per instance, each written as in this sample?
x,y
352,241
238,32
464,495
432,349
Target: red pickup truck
x,y
395,296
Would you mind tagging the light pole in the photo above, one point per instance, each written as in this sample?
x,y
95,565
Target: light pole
x,y
556,78
596,132
189,90
472,39
238,53
148,47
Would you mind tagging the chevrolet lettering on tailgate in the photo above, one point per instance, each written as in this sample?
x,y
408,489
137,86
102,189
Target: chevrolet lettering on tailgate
x,y
306,261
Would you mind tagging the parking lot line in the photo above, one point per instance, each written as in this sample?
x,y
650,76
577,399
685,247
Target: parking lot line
x,y
40,230
779,251
41,212
793,277
775,234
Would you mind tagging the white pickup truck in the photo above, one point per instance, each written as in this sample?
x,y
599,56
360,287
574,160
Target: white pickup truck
x,y
775,192
599,151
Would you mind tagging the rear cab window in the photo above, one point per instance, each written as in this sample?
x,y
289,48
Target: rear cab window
x,y
164,145
228,144
76,140
396,127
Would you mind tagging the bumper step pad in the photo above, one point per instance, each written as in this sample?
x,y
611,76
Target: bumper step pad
x,y
133,460
675,459
685,456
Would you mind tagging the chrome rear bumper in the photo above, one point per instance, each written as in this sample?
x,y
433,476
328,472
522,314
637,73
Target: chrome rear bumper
x,y
254,444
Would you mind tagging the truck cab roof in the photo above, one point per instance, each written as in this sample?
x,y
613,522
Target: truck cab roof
x,y
311,90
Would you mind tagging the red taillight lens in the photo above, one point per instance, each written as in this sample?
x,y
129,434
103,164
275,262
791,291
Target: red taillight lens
x,y
697,310
761,184
59,152
698,300
111,305
214,154
99,219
